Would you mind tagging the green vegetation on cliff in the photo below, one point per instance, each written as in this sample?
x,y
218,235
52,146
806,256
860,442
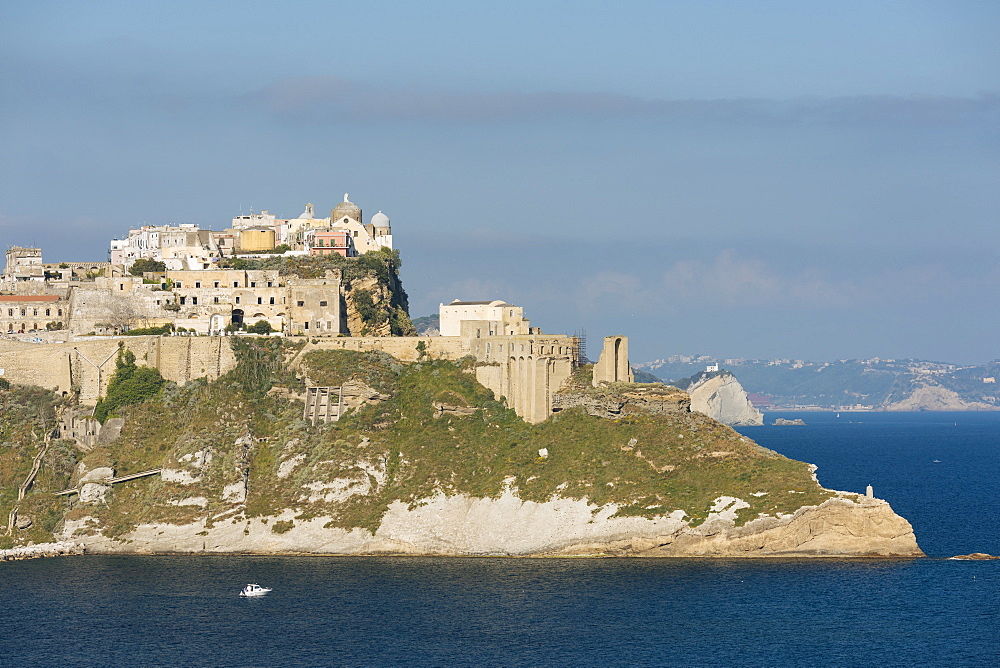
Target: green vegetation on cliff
x,y
27,422
129,385
426,428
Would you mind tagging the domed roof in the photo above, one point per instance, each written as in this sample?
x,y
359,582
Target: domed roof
x,y
347,208
380,220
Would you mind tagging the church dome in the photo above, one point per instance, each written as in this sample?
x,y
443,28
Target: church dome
x,y
380,220
346,208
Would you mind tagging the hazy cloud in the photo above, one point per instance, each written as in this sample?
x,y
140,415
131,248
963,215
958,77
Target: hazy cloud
x,y
324,99
733,281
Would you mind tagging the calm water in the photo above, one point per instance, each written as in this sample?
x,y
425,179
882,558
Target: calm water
x,y
523,612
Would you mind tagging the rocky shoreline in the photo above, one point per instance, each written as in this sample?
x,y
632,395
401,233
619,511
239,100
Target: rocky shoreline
x,y
845,526
60,549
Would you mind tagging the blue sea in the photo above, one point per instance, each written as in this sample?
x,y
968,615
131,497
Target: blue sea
x,y
940,471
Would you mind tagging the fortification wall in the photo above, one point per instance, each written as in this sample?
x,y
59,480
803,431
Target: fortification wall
x,y
526,370
89,365
404,348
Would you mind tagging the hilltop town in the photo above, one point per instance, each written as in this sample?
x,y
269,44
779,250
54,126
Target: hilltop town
x,y
187,279
333,281
262,389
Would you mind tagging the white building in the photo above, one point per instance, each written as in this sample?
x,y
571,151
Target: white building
x,y
186,247
502,319
179,247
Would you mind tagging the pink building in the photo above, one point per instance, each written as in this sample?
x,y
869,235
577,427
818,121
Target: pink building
x,y
327,242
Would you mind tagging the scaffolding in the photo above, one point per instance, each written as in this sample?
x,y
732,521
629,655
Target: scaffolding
x,y
580,347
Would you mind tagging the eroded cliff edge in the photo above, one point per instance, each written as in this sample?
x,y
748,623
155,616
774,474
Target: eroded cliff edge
x,y
845,526
424,460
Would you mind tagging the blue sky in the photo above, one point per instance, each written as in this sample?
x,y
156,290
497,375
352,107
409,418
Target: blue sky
x,y
763,179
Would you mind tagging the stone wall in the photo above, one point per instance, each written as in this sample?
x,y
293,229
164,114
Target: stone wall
x,y
527,370
403,348
613,366
89,365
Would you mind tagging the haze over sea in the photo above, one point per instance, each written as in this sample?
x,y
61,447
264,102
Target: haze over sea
x,y
938,470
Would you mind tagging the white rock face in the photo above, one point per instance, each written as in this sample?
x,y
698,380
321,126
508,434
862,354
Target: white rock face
x,y
93,492
287,466
723,398
40,550
849,525
179,476
199,501
235,493
101,473
337,490
199,459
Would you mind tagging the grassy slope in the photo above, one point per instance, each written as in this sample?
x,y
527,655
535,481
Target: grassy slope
x,y
26,415
681,461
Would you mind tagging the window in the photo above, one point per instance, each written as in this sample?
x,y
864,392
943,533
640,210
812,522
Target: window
x,y
216,284
307,325
197,284
47,312
215,300
253,284
182,300
34,311
269,285
260,300
194,301
300,303
236,284
322,303
272,300
178,285
237,300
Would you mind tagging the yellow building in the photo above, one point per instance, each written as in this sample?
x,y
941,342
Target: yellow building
x,y
257,239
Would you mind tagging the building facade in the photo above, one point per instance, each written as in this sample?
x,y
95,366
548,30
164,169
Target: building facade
x,y
24,314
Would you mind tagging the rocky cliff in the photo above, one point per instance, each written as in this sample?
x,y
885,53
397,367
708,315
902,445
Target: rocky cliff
x,y
930,396
460,525
720,396
429,462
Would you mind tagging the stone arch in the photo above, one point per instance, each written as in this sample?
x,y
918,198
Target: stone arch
x,y
617,362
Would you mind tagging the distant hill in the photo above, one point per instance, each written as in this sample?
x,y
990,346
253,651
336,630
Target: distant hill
x,y
646,377
873,384
427,325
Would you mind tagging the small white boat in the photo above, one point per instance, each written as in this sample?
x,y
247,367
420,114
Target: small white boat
x,y
254,590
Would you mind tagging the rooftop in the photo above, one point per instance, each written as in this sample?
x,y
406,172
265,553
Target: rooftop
x,y
29,298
